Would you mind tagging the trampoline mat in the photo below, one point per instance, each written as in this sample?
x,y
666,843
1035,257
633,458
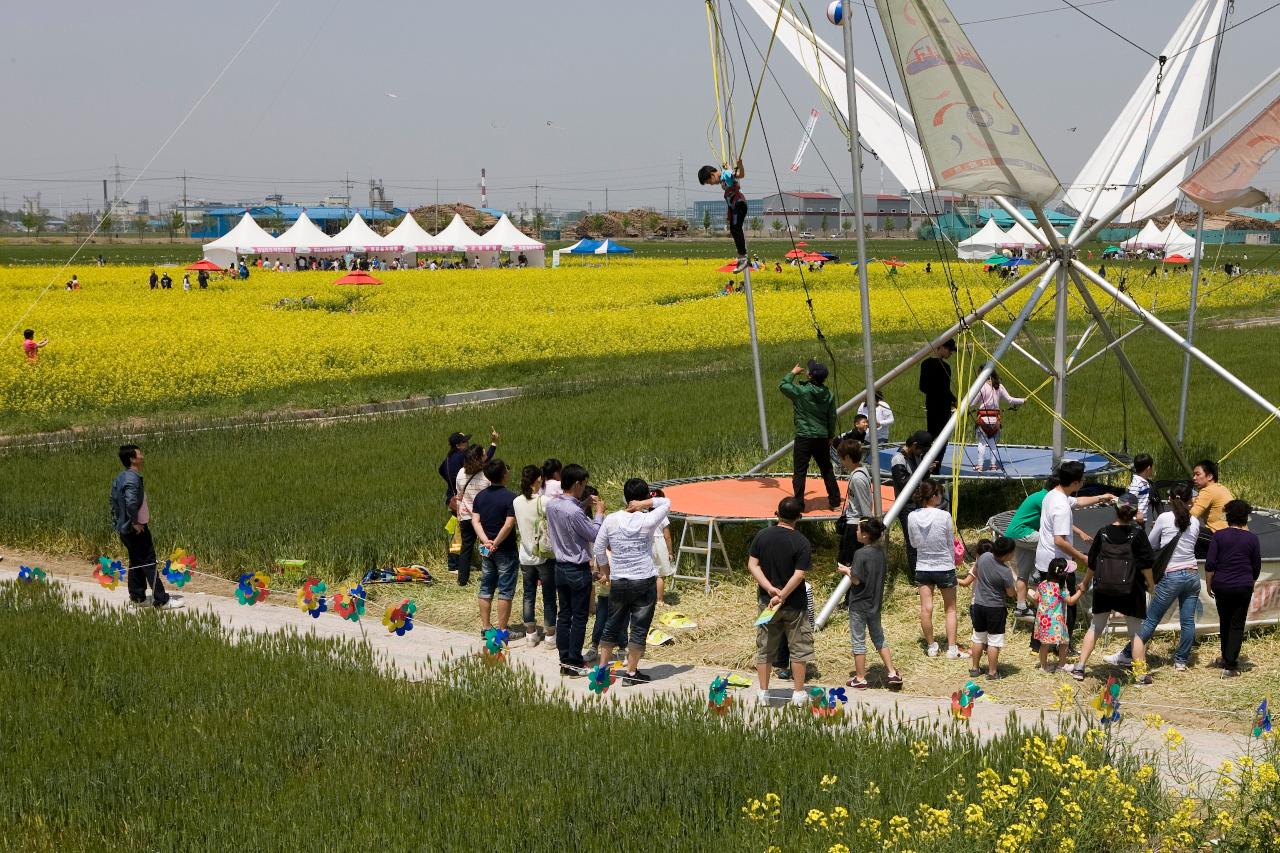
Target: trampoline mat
x,y
1020,461
752,497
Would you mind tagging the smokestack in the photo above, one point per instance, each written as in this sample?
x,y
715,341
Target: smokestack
x,y
484,195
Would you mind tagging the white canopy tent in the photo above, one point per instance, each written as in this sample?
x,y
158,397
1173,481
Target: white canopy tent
x,y
304,237
247,237
359,237
1019,237
1149,237
981,244
511,239
1177,241
413,238
461,238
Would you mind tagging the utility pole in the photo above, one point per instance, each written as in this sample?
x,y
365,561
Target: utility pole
x,y
437,205
186,223
606,199
668,201
535,195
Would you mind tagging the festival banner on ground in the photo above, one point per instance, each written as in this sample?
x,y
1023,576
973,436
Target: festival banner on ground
x,y
1223,181
972,138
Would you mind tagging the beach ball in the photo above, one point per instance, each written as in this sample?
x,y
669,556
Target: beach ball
x,y
835,12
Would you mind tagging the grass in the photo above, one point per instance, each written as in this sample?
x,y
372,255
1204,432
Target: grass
x,y
125,731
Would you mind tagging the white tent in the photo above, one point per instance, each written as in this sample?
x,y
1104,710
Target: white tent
x,y
982,243
511,239
1178,242
462,239
247,237
359,237
1149,237
1020,237
304,237
413,238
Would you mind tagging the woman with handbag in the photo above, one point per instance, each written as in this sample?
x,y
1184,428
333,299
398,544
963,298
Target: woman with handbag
x,y
989,419
470,481
459,444
537,563
857,506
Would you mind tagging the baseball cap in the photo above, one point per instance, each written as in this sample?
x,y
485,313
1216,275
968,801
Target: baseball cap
x,y
949,343
457,438
817,371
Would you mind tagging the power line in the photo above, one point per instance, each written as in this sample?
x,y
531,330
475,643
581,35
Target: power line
x,y
1110,30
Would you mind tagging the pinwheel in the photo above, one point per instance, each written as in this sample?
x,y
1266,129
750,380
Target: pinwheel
x,y
1261,717
35,573
399,619
827,706
1107,702
601,678
109,573
350,605
962,700
718,698
252,588
181,575
495,644
311,597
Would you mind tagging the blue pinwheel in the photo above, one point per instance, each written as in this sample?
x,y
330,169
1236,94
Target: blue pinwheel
x,y
35,573
601,678
1262,719
718,698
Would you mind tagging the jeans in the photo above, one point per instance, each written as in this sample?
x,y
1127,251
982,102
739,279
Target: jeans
x,y
498,572
468,545
630,601
142,573
936,415
602,616
546,573
737,217
816,449
860,625
1233,607
1183,587
573,597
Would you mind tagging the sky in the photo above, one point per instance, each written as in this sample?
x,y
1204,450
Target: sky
x,y
572,96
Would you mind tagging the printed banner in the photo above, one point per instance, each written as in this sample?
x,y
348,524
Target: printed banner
x,y
1223,181
972,138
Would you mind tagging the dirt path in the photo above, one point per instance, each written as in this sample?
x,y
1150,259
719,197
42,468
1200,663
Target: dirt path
x,y
420,650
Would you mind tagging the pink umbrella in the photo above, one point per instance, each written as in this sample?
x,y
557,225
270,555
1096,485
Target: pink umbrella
x,y
357,277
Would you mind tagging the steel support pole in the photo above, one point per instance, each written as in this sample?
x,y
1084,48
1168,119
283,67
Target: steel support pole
x,y
1075,353
1060,364
1155,323
1127,367
1022,350
755,359
1191,327
864,298
920,354
1105,349
940,440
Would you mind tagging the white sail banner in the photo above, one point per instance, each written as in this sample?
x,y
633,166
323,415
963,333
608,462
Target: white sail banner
x,y
1223,182
806,139
885,127
1164,112
974,141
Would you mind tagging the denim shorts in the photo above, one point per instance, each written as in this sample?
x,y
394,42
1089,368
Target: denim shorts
x,y
498,571
942,580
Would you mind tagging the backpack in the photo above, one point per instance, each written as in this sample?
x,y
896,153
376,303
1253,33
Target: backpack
x,y
990,422
1115,570
541,536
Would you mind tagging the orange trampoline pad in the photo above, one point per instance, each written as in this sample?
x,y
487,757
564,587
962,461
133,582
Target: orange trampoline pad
x,y
753,498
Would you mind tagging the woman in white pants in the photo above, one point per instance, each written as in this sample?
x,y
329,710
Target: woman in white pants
x,y
989,418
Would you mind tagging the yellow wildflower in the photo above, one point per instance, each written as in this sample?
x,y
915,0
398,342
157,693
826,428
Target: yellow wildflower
x,y
1095,737
829,781
920,750
1152,721
872,790
838,848
1144,772
1172,738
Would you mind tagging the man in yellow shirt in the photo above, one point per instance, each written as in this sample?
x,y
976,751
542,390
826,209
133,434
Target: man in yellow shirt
x,y
1210,503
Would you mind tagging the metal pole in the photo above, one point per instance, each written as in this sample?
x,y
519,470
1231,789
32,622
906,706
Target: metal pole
x,y
1059,365
1105,349
1155,323
1177,158
919,355
940,440
1127,367
1028,356
864,297
755,359
1191,326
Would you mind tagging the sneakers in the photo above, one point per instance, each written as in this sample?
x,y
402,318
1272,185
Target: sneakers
x,y
742,263
799,697
953,653
636,677
1231,673
1179,666
1119,659
174,602
895,681
974,673
1144,681
592,655
784,674
1077,672
857,683
1022,611
933,650
995,676
571,671
534,637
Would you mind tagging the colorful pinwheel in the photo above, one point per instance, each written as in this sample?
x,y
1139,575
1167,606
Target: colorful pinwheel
x,y
35,573
181,575
252,588
495,644
109,573
311,597
1107,702
962,700
350,606
718,698
827,706
601,678
1261,718
399,619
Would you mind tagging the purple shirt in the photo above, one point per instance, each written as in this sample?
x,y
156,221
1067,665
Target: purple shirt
x,y
572,534
1235,558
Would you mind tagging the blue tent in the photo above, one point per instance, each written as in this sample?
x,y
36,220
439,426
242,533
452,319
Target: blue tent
x,y
1019,262
597,247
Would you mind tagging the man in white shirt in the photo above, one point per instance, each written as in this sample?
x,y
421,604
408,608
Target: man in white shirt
x,y
1056,526
624,557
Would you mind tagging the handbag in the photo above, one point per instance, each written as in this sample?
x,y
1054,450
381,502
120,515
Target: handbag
x,y
542,536
957,547
455,544
990,421
1162,558
842,524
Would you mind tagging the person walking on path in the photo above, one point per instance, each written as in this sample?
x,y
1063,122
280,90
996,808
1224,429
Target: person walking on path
x,y
494,523
1210,505
935,385
536,565
1230,571
815,426
572,536
778,559
131,516
624,557
989,419
459,444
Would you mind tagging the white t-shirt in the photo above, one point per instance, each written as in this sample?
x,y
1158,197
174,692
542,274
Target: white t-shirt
x,y
527,511
625,541
661,553
1184,553
1140,488
934,539
1055,520
551,488
884,420
469,486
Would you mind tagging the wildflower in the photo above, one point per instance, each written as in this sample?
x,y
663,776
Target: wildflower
x,y
1223,821
839,815
899,826
872,790
1152,721
1172,738
870,826
1095,737
1067,845
814,816
1144,772
920,750
829,781
838,848
1065,700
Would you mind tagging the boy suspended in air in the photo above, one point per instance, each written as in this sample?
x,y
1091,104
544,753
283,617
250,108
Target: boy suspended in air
x,y
731,183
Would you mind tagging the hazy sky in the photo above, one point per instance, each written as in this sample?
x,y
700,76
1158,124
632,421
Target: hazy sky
x,y
572,95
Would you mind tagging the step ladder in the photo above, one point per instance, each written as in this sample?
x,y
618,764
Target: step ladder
x,y
702,550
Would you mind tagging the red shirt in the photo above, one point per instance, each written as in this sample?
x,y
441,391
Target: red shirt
x,y
31,348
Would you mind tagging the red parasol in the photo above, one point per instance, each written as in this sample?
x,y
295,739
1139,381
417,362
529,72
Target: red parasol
x,y
796,253
894,262
815,258
1177,259
802,243
205,264
357,277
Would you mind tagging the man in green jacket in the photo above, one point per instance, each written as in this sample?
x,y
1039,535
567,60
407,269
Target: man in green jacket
x,y
815,416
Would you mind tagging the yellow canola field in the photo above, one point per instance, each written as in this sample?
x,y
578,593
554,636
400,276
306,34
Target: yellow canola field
x,y
117,346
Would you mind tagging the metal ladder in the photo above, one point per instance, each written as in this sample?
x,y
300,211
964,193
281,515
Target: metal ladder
x,y
705,548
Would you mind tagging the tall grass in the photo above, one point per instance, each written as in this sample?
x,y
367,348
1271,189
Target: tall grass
x,y
124,731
